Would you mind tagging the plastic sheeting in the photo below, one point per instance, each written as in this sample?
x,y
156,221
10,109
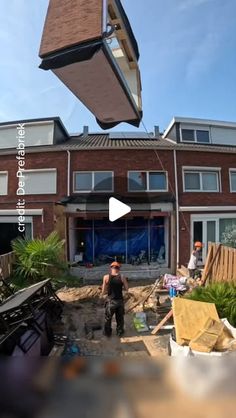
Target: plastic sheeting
x,y
108,241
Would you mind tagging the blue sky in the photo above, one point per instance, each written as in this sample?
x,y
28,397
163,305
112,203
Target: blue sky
x,y
187,62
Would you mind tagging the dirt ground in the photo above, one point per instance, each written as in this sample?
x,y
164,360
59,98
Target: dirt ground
x,y
84,304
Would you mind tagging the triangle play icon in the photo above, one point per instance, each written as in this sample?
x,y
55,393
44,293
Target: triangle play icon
x,y
117,209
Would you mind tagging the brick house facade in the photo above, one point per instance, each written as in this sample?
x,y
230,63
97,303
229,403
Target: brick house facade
x,y
166,220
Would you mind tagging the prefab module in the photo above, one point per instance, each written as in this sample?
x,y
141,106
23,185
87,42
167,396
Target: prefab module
x,y
91,48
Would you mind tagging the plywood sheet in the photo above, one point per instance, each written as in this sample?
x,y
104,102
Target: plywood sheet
x,y
190,317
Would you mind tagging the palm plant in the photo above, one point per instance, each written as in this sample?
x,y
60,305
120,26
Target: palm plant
x,y
223,295
38,259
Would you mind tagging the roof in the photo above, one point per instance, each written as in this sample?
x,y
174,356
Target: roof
x,y
92,142
197,121
55,119
101,141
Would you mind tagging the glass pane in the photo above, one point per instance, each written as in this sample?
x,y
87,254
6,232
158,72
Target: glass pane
x,y
211,231
233,182
137,180
209,181
157,181
28,231
157,241
228,231
188,135
203,137
137,241
83,181
103,181
198,236
192,181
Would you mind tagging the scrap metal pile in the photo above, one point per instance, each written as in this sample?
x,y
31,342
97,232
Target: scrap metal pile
x,y
26,317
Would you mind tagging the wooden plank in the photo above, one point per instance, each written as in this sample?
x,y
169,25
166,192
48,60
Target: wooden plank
x,y
230,267
226,263
151,344
210,262
234,266
208,259
164,320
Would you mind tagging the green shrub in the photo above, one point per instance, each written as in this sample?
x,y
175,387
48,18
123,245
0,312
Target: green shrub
x,y
38,259
223,295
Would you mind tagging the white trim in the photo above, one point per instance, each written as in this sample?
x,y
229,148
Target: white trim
x,y
13,125
207,208
38,170
92,189
14,219
231,170
200,171
29,212
147,180
68,172
7,175
203,168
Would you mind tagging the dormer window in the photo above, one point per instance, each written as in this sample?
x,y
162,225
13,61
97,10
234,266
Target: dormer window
x,y
195,135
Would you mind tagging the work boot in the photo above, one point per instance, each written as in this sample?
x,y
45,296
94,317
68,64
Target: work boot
x,y
120,333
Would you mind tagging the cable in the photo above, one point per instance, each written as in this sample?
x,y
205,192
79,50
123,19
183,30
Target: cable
x,y
169,183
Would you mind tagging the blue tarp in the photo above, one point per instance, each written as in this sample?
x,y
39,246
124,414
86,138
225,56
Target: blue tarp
x,y
110,239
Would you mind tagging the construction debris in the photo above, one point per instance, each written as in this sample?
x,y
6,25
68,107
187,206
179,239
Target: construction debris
x,y
198,329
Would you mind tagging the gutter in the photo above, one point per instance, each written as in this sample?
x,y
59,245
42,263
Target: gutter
x,y
177,207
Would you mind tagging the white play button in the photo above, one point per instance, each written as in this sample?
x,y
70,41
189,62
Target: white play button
x,y
117,209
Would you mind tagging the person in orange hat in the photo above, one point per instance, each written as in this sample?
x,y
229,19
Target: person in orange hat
x,y
113,284
193,262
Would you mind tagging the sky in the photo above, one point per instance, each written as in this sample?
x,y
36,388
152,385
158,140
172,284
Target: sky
x,y
187,62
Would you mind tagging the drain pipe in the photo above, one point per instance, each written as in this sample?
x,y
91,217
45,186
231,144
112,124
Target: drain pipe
x,y
177,208
68,173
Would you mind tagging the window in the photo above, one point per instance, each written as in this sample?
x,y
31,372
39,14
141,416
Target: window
x,y
40,181
3,183
147,181
137,181
98,181
188,135
232,174
212,228
200,136
201,181
203,137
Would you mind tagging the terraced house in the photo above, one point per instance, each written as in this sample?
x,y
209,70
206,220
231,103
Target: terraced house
x,y
180,185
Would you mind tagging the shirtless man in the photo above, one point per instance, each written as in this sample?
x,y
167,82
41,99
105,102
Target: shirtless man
x,y
113,285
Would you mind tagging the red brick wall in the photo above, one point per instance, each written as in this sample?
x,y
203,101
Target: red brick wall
x,y
70,22
224,198
46,202
207,159
121,161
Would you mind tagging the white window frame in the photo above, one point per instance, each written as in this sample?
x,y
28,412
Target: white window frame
x,y
231,170
93,176
5,172
195,135
204,218
148,181
201,170
40,170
